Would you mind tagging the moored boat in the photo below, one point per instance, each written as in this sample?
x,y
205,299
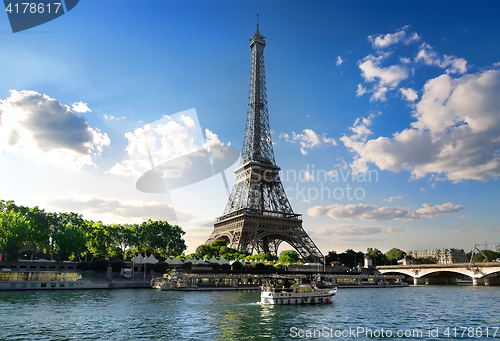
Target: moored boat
x,y
46,280
464,281
168,283
281,290
182,281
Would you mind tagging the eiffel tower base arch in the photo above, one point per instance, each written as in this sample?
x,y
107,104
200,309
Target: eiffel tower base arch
x,y
261,232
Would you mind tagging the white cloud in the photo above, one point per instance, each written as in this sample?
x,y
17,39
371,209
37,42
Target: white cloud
x,y
188,122
476,231
379,93
393,198
361,90
430,57
307,176
360,126
212,140
433,211
285,136
457,231
463,217
409,94
456,132
339,61
382,41
80,107
346,230
308,140
367,212
112,118
117,208
130,168
43,127
385,78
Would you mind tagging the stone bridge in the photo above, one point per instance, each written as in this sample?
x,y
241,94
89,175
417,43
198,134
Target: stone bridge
x,y
481,273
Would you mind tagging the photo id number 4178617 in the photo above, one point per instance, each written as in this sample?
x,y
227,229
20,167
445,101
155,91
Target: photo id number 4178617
x,y
33,7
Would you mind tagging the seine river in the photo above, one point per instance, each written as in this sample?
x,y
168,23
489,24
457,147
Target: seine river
x,y
414,313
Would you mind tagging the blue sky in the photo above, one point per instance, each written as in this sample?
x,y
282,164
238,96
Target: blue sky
x,y
405,92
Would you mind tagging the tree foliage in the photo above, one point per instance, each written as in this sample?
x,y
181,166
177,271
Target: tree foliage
x,y
377,256
13,233
351,258
491,256
65,236
424,260
394,255
289,257
218,249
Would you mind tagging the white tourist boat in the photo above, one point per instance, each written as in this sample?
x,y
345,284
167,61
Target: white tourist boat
x,y
285,290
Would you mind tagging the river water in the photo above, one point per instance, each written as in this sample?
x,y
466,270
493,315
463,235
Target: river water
x,y
414,313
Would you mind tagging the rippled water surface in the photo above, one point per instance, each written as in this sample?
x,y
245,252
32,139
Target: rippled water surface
x,y
145,314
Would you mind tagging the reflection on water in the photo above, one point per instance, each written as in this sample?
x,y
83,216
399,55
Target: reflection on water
x,y
144,314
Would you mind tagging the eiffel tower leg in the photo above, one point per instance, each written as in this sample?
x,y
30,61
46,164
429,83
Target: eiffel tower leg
x,y
265,245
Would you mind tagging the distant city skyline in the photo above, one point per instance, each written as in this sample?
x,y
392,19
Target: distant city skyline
x,y
385,117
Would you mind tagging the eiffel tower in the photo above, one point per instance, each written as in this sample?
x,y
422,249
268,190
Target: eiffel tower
x,y
258,216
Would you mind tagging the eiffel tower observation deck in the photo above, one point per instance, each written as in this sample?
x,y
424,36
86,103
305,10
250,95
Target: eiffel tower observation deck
x,y
258,216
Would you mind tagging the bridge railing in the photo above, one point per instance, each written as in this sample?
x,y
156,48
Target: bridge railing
x,y
432,266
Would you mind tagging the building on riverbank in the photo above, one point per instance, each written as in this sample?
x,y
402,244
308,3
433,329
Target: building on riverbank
x,y
441,256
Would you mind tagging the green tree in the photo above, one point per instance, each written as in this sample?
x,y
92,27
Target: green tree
x,y
13,233
377,256
491,256
162,238
394,255
38,230
99,240
129,240
289,257
424,260
68,236
331,257
218,249
351,258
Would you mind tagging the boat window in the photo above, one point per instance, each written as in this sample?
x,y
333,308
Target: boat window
x,y
43,285
52,285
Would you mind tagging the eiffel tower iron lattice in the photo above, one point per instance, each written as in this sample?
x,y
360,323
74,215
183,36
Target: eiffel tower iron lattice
x,y
258,216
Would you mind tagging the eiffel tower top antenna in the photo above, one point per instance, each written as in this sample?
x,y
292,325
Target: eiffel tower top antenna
x,y
257,22
257,142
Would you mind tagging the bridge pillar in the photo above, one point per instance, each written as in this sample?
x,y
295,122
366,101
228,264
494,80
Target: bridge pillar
x,y
492,280
417,281
478,281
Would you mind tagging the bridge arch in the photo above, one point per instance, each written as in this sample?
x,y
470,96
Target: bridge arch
x,y
485,273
